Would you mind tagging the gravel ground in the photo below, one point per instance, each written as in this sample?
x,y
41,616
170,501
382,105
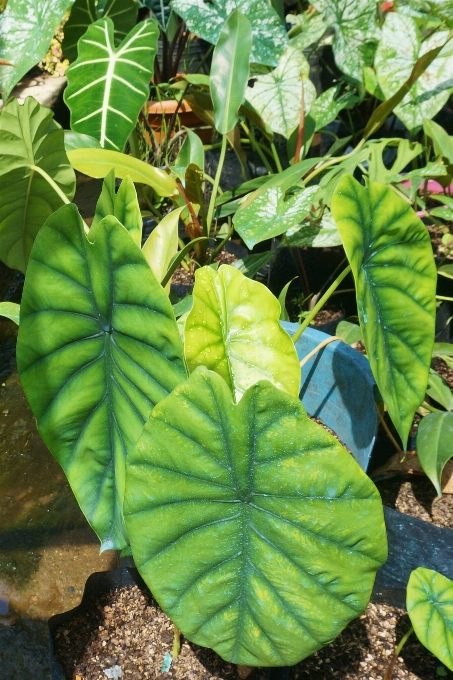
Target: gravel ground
x,y
130,631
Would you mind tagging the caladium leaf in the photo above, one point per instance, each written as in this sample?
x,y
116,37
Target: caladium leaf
x,y
270,215
391,257
104,78
26,29
122,204
434,438
398,51
230,70
329,104
256,531
277,96
98,347
35,176
206,20
306,29
233,329
99,162
429,604
356,33
323,234
85,12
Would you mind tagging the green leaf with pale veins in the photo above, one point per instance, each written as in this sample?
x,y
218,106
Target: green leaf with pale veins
x,y
108,85
434,449
207,19
391,257
98,347
122,204
26,29
258,534
399,49
270,215
356,33
277,96
85,12
233,329
429,604
314,234
32,159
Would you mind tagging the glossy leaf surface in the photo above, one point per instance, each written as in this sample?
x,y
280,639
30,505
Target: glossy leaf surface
x,y
26,29
122,204
323,234
162,245
230,70
107,86
434,445
277,96
99,162
207,19
356,33
270,215
98,347
234,329
430,607
191,153
30,142
398,51
390,253
438,390
256,531
123,13
74,140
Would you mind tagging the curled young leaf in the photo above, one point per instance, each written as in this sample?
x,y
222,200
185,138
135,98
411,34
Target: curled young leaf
x,y
233,329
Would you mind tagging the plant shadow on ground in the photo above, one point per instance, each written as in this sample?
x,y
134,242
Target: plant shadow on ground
x,y
417,659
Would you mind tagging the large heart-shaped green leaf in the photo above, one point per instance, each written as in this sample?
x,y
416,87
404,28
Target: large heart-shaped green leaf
x,y
107,86
85,12
277,96
270,215
434,449
230,70
99,162
258,534
35,176
430,607
26,29
356,33
234,329
206,20
122,204
98,347
399,49
391,257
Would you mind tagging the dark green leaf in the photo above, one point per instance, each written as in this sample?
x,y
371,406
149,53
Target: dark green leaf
x,y
255,530
434,438
391,257
251,264
438,390
98,347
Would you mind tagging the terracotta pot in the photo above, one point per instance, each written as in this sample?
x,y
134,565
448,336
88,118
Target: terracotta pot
x,y
159,110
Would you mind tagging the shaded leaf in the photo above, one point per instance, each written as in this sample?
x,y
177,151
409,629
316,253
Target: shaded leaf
x,y
270,215
430,607
26,29
251,264
234,329
438,390
107,86
323,234
390,253
442,142
207,19
434,438
348,332
256,531
329,104
98,347
306,29
11,310
32,158
277,96
284,316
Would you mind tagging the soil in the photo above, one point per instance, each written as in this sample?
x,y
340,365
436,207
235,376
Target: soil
x,y
436,234
182,277
129,630
328,315
443,370
416,496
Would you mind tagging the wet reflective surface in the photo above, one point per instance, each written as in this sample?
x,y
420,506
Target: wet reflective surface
x,y
47,550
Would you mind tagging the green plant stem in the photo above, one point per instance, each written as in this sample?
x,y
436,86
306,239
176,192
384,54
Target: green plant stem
x,y
257,148
276,158
215,188
176,642
403,641
444,297
319,305
387,431
334,161
53,184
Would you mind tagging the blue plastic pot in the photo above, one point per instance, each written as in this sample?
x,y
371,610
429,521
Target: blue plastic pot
x,y
338,387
